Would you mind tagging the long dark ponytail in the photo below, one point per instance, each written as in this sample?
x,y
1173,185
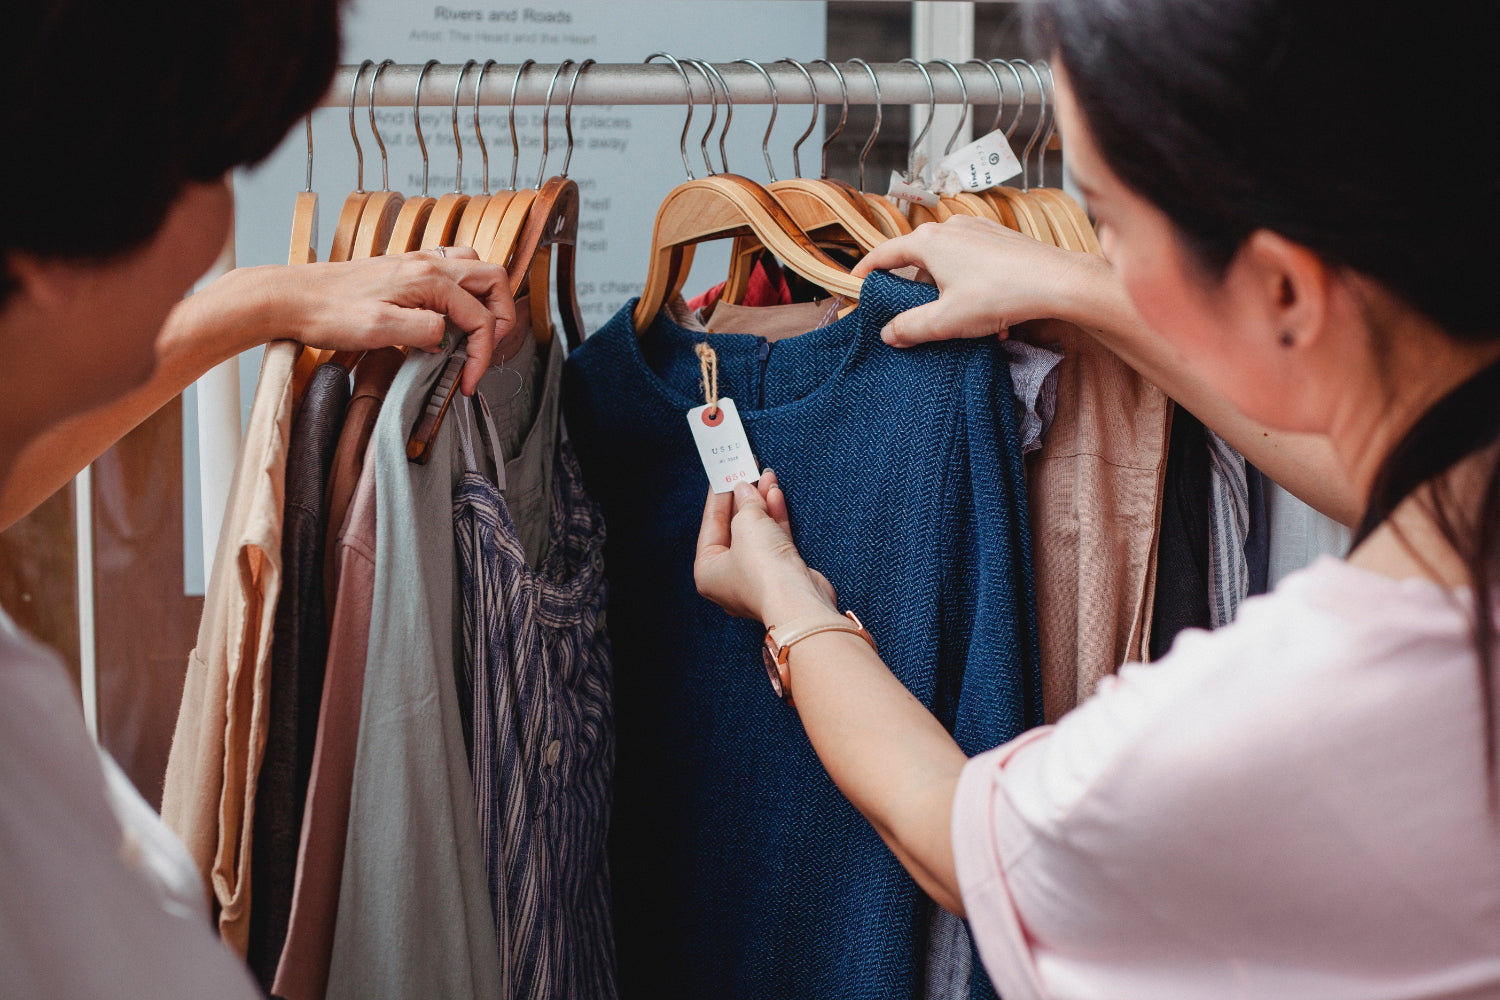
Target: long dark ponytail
x,y
1365,132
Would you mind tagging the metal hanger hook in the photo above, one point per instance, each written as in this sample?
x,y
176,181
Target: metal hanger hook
x,y
843,108
728,113
568,112
963,90
999,90
1036,132
713,114
484,151
309,152
688,86
416,119
547,119
385,166
359,152
879,115
515,141
1049,98
458,144
911,153
765,141
1010,129
812,122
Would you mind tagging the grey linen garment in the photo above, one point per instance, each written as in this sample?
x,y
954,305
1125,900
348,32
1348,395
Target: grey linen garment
x,y
1229,526
414,911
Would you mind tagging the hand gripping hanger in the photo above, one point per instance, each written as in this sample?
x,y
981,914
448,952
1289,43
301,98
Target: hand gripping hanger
x,y
723,206
468,223
443,222
411,223
552,221
354,204
378,218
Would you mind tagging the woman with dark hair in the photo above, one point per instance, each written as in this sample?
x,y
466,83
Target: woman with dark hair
x,y
1304,803
97,898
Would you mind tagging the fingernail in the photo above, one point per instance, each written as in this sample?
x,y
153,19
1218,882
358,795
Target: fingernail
x,y
887,334
743,490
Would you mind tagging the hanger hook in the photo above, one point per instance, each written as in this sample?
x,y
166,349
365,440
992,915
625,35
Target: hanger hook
x,y
813,122
484,151
879,114
416,119
728,113
547,118
765,142
713,115
1049,95
1010,129
999,90
309,152
963,90
568,112
688,86
359,151
458,143
385,171
515,142
843,112
1036,132
911,153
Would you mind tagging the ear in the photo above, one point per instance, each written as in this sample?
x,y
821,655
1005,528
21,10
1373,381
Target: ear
x,y
1287,286
46,283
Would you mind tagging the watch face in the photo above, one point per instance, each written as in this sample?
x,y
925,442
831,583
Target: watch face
x,y
772,670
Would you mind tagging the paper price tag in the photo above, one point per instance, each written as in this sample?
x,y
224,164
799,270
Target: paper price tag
x,y
722,445
984,163
907,191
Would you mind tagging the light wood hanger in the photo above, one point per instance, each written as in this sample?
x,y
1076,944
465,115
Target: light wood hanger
x,y
499,203
442,223
473,213
304,249
411,222
354,204
518,210
379,215
888,218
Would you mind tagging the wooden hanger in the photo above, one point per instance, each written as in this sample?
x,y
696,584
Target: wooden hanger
x,y
411,222
354,204
378,218
888,219
499,203
442,223
304,249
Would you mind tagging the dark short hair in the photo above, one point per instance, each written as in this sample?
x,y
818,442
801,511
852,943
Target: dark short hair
x,y
129,100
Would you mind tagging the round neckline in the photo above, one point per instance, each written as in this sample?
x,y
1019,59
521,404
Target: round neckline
x,y
664,323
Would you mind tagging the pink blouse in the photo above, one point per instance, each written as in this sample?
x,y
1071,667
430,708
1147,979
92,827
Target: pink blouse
x,y
1293,806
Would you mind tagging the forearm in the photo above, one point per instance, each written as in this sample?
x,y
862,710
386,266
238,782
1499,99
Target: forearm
x,y
1303,464
233,314
885,751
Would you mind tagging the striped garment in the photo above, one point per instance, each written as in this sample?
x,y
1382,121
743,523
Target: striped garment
x,y
543,752
1229,525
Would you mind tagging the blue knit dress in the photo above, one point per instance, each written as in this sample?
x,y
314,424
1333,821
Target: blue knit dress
x,y
739,869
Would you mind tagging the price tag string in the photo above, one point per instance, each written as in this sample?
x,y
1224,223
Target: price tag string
x,y
708,363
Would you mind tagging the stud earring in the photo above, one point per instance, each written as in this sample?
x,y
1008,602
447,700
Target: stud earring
x,y
1287,340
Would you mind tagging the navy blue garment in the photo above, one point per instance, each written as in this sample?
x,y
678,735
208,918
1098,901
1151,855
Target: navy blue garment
x,y
739,869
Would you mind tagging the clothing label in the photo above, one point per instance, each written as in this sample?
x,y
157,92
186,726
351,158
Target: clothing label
x,y
722,445
983,163
912,191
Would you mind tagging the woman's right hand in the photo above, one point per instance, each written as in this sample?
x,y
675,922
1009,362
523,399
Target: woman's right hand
x,y
989,278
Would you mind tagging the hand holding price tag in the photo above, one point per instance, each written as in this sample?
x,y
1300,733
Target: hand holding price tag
x,y
718,433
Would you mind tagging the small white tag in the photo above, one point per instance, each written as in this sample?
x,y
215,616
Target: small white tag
x,y
910,191
984,163
722,445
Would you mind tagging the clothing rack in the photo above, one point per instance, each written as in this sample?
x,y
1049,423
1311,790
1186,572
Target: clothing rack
x,y
661,83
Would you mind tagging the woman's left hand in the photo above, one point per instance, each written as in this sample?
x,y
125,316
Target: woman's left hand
x,y
747,562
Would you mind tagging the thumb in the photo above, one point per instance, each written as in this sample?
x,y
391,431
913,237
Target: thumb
x,y
748,498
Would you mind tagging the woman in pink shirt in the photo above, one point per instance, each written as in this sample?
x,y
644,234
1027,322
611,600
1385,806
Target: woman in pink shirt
x,y
1304,803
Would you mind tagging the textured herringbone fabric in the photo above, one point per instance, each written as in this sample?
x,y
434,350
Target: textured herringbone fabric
x,y
543,735
739,869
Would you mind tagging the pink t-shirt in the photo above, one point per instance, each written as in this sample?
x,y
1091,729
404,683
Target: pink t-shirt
x,y
1293,806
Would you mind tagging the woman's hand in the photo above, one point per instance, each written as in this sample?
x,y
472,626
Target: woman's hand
x,y
747,563
989,278
411,300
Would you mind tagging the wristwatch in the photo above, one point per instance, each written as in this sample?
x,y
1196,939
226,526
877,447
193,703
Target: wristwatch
x,y
775,650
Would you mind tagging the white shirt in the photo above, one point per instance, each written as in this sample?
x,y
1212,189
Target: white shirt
x,y
1293,806
97,898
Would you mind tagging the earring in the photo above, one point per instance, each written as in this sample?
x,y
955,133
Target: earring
x,y
1287,340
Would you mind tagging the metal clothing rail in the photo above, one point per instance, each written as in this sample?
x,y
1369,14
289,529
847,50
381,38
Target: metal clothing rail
x,y
661,83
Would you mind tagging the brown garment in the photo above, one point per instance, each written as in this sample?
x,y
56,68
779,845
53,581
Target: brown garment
x,y
372,380
214,765
303,971
1094,490
773,322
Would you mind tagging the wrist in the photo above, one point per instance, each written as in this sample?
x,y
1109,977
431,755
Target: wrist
x,y
795,604
1089,293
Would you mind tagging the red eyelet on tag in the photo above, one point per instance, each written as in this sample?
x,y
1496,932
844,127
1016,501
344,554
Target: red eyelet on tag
x,y
714,417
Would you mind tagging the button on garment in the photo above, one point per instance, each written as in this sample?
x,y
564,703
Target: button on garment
x,y
543,734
